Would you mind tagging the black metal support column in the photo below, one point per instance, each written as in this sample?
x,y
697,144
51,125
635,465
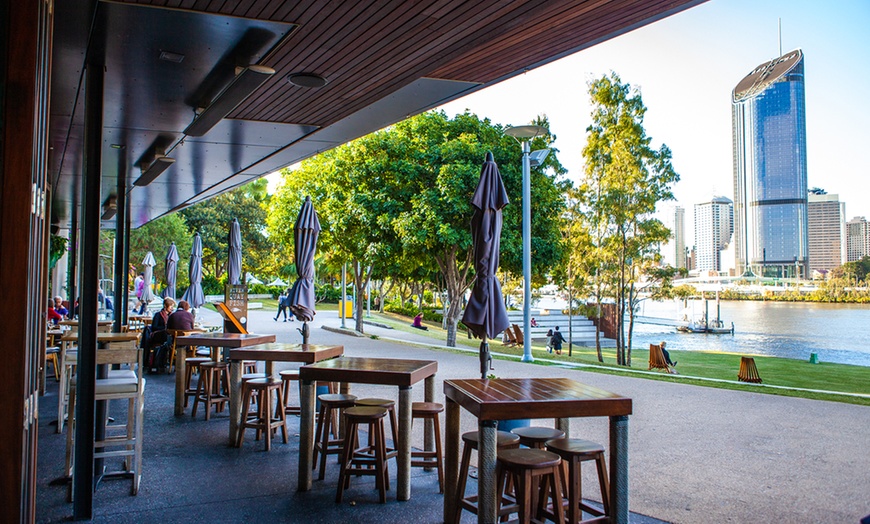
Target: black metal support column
x,y
87,416
122,245
72,266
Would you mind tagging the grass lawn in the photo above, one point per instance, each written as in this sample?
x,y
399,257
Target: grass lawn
x,y
774,371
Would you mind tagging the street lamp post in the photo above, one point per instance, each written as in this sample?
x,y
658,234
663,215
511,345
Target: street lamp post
x,y
523,135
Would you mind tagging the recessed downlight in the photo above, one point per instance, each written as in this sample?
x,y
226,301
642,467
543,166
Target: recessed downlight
x,y
169,56
306,80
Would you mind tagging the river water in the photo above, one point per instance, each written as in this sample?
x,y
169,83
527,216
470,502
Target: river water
x,y
836,332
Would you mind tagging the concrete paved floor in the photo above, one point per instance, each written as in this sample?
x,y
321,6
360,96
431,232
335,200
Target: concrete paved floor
x,y
696,454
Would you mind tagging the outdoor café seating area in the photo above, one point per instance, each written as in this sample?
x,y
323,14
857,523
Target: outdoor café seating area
x,y
406,453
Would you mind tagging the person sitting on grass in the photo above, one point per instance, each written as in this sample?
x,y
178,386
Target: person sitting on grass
x,y
418,322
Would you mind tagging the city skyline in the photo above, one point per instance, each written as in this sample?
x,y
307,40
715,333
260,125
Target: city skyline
x,y
686,67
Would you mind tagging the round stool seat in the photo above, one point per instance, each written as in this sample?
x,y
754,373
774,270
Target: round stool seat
x,y
250,376
574,446
263,382
502,439
337,399
215,365
204,352
419,409
289,374
375,402
528,458
195,361
364,413
535,436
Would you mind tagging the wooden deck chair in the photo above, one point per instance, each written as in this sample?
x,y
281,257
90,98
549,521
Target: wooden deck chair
x,y
518,335
748,372
509,339
657,358
175,333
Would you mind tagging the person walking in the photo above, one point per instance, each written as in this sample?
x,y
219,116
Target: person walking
x,y
282,305
556,341
549,341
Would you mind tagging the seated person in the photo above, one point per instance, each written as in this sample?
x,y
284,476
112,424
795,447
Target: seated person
x,y
53,316
181,319
418,322
534,323
667,355
158,339
58,307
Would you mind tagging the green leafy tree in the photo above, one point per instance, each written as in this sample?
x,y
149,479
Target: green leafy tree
x,y
398,202
156,236
212,219
625,178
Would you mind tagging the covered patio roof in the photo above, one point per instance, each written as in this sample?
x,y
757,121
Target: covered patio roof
x,y
382,61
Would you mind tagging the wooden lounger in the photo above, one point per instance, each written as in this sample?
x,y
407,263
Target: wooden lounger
x,y
657,358
748,372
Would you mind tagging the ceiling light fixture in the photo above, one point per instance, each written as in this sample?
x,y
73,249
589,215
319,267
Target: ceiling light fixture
x,y
155,168
306,80
237,91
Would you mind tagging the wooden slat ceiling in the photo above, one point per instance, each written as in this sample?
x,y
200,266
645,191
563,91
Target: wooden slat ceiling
x,y
384,60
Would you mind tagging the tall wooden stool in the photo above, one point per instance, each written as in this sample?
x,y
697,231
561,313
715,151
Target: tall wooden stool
x,y
390,406
249,366
530,468
429,459
288,376
51,354
366,460
536,437
573,452
471,441
191,366
330,403
263,419
208,391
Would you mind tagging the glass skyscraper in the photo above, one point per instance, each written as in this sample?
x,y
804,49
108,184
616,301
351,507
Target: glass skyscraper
x,y
770,169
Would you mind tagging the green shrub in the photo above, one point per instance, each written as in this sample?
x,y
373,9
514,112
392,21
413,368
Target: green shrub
x,y
212,285
328,294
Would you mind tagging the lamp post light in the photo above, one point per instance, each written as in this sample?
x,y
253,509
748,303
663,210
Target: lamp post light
x,y
523,135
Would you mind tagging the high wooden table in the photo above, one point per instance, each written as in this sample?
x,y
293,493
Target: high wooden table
x,y
227,341
389,372
269,353
491,400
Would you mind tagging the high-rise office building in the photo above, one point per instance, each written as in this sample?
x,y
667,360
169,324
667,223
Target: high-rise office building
x,y
826,229
857,239
674,251
714,224
770,169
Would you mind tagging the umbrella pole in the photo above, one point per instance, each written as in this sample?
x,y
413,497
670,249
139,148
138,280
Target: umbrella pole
x,y
485,358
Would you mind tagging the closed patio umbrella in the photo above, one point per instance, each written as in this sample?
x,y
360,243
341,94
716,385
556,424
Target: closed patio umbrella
x,y
234,271
305,234
171,271
194,295
149,263
485,314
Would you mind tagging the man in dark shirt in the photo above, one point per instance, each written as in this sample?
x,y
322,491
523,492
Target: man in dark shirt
x,y
181,319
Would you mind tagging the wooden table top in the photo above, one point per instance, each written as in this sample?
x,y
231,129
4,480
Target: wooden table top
x,y
76,322
513,398
362,370
225,340
281,352
72,336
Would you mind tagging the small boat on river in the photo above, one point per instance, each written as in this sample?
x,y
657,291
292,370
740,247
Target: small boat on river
x,y
702,325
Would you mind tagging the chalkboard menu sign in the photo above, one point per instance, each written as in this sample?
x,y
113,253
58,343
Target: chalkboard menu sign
x,y
236,300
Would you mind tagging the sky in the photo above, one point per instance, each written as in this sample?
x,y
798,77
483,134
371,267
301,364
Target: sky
x,y
686,67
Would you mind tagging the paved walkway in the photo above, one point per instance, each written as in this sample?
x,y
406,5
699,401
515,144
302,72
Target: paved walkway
x,y
696,454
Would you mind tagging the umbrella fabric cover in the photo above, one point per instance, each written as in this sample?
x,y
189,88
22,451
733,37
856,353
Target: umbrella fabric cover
x,y
171,271
234,271
305,233
485,314
149,263
194,295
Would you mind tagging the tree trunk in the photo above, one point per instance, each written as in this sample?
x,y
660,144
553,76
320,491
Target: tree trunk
x,y
456,282
630,322
598,323
361,277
